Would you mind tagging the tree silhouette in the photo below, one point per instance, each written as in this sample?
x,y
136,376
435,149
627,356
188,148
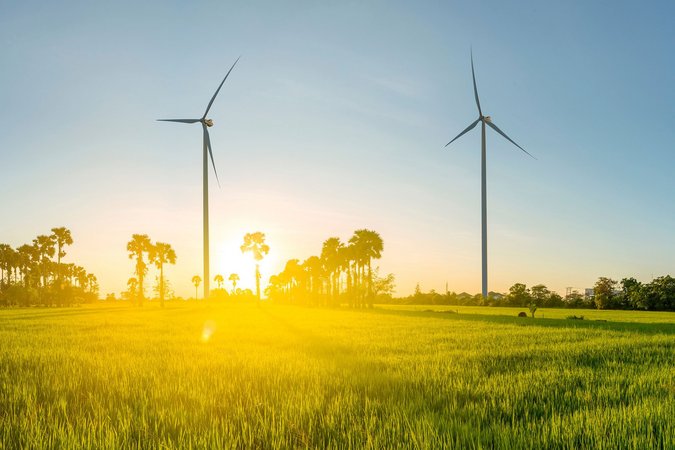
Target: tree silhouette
x,y
6,264
35,278
330,255
161,253
292,276
137,247
132,286
314,274
234,278
255,243
368,246
44,248
26,258
62,237
196,280
347,263
219,280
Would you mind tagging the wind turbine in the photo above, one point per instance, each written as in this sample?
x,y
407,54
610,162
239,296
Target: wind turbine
x,y
484,120
206,124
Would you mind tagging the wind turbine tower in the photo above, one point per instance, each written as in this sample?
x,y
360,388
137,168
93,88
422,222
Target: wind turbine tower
x,y
484,120
207,152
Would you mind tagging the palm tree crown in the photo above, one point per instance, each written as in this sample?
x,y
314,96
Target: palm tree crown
x,y
255,243
137,247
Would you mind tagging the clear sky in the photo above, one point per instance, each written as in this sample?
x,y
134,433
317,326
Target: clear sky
x,y
335,119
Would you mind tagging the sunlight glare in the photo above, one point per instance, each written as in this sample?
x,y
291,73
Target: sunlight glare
x,y
208,330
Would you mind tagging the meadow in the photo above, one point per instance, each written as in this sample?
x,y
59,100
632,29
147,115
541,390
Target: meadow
x,y
205,375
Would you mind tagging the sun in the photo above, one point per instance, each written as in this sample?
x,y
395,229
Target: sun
x,y
227,258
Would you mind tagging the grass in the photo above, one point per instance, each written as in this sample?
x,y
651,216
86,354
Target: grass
x,y
242,376
548,313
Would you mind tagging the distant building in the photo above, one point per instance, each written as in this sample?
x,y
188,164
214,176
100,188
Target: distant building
x,y
589,292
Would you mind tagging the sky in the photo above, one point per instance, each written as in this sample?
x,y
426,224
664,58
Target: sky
x,y
335,119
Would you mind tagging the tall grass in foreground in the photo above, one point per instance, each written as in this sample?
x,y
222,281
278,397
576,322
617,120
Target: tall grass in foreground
x,y
239,376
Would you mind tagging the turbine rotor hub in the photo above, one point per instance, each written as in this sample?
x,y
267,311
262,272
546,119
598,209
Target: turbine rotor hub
x,y
487,119
208,122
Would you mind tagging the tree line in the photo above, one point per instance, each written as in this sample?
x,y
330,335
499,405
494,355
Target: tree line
x,y
341,273
34,274
143,252
628,294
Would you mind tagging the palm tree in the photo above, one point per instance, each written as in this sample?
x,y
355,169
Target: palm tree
x,y
92,284
196,280
255,243
44,246
330,254
161,253
292,276
219,280
369,246
80,275
234,278
274,287
26,257
346,256
62,237
314,270
138,246
5,264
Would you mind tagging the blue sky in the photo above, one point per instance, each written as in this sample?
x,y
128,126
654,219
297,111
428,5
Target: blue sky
x,y
335,119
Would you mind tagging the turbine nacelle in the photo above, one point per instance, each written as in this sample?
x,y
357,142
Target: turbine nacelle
x,y
487,119
207,122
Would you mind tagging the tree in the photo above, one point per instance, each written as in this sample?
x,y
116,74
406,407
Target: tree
x,y
162,288
29,275
540,294
219,280
138,246
255,244
196,280
330,255
384,287
44,248
62,237
659,295
233,278
161,253
519,295
292,276
313,267
555,300
92,286
132,286
347,264
26,258
5,264
604,292
630,291
533,308
368,246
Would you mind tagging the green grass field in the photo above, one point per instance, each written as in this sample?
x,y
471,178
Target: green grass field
x,y
243,376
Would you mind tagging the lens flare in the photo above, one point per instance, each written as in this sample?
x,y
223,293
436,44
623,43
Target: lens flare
x,y
208,330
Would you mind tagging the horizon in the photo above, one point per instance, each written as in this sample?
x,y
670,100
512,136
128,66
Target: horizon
x,y
319,132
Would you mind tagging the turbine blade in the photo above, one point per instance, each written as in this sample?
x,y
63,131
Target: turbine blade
x,y
207,140
475,89
218,90
467,129
496,128
179,120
